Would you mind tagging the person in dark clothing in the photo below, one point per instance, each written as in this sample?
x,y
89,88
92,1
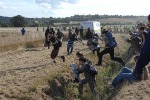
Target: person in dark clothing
x,y
46,38
71,43
59,35
127,74
81,32
23,31
70,32
57,44
37,29
89,78
76,67
88,36
135,44
77,31
95,44
144,58
143,33
110,45
52,30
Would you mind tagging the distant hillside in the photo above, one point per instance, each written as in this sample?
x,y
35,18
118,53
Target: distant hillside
x,y
5,19
104,19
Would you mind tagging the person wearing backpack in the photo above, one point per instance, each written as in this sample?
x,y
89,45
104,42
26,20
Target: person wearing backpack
x,y
110,44
75,67
89,78
57,44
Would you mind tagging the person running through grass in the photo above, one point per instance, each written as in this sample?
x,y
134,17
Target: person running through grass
x,y
59,35
76,67
70,44
89,78
89,36
135,44
57,44
144,58
110,44
81,32
70,32
127,74
95,44
46,37
23,31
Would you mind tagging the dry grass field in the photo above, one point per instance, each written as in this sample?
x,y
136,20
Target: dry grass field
x,y
28,73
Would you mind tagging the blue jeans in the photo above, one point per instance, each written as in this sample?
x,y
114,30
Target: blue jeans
x,y
126,74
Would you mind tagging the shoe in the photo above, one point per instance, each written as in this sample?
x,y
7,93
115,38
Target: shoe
x,y
63,58
79,96
96,91
54,61
76,80
111,87
98,64
123,64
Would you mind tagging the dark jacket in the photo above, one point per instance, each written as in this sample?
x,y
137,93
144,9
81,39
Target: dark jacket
x,y
89,35
144,57
86,70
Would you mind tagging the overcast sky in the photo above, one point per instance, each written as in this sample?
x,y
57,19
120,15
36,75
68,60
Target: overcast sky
x,y
66,8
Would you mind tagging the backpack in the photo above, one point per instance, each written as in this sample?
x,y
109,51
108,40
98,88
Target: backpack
x,y
59,42
93,70
111,40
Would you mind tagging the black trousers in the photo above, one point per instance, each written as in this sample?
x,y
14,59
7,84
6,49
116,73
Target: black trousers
x,y
69,50
111,53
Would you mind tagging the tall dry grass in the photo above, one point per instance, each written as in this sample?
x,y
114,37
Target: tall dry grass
x,y
12,39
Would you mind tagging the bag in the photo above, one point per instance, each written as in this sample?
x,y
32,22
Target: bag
x,y
93,70
111,40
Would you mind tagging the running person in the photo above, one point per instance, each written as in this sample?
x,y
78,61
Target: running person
x,y
57,44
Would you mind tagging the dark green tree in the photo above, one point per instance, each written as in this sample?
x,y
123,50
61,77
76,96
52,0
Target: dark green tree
x,y
18,21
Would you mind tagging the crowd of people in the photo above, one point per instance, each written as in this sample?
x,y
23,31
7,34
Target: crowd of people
x,y
140,48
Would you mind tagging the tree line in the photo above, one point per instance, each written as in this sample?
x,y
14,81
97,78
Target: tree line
x,y
20,21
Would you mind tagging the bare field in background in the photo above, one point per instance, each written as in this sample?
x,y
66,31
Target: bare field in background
x,y
12,39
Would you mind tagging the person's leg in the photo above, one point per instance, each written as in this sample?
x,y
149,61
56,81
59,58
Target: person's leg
x,y
80,88
105,51
143,60
111,53
71,50
126,70
68,50
98,49
118,79
54,54
92,84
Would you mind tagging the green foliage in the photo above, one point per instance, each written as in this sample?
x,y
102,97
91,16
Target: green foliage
x,y
36,24
18,21
51,20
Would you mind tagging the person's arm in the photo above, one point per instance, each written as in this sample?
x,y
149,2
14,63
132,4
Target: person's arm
x,y
80,69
